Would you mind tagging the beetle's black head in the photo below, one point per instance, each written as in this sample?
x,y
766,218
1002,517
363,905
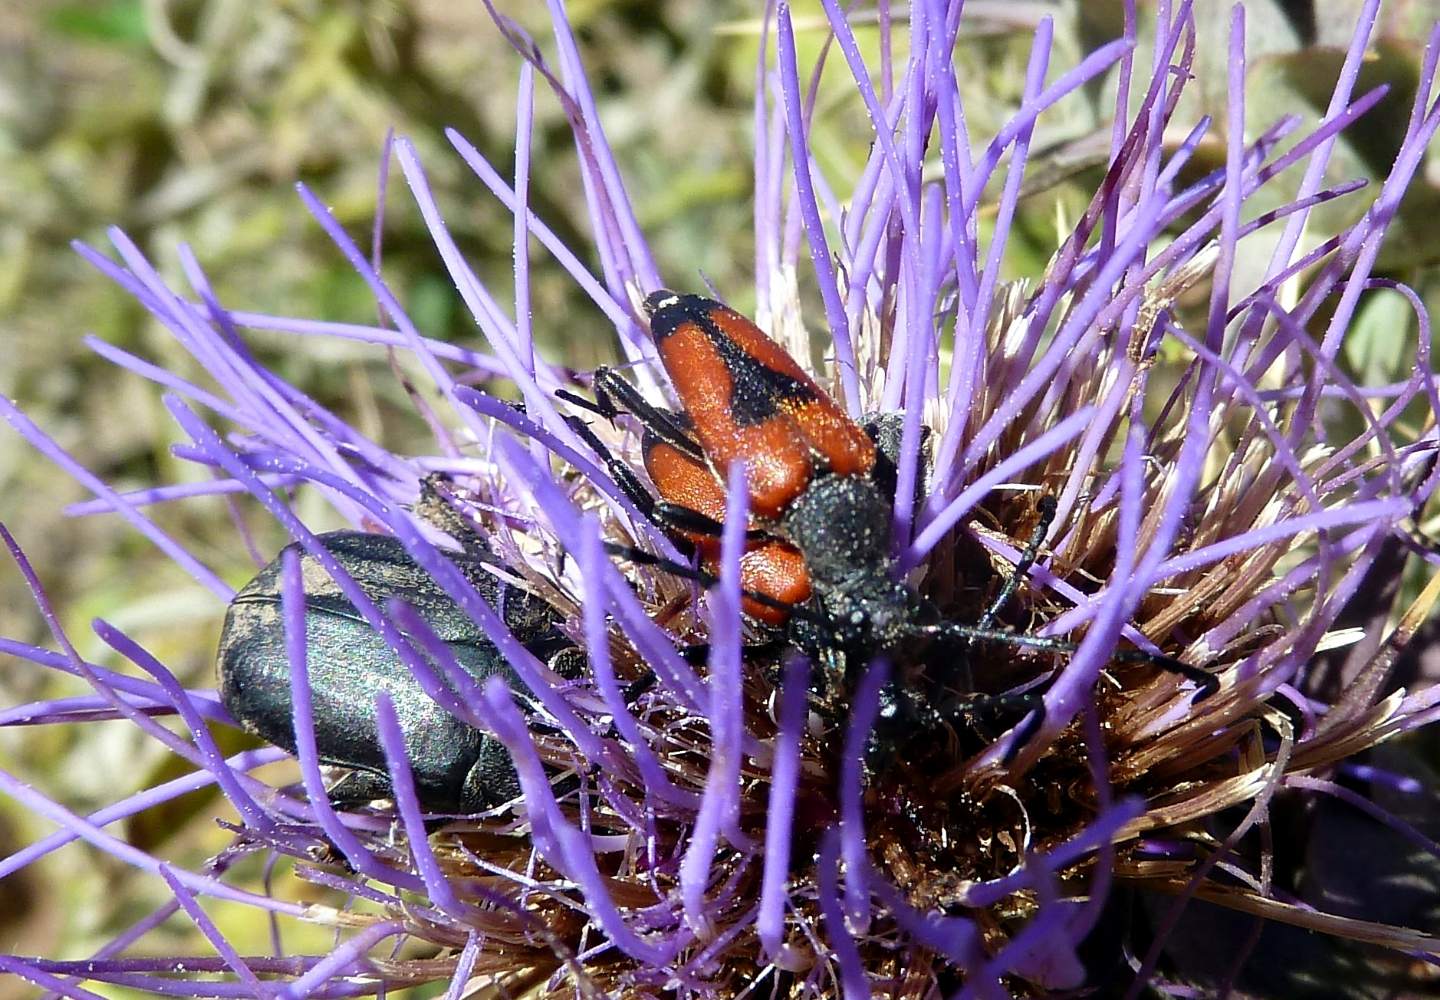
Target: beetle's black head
x,y
664,299
841,524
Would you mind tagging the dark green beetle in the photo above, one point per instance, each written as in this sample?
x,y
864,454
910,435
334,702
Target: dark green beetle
x,y
457,768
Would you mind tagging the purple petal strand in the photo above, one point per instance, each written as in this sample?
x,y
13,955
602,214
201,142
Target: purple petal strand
x,y
212,934
292,604
854,849
407,802
48,447
810,212
780,815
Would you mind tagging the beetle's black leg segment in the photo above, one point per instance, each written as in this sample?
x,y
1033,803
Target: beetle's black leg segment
x,y
686,521
630,694
639,686
692,522
614,395
670,516
575,399
1208,682
698,653
903,713
643,558
624,477
706,580
661,513
974,633
1026,730
1027,559
986,704
984,629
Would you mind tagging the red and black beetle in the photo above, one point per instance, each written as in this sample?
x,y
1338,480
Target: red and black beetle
x,y
818,563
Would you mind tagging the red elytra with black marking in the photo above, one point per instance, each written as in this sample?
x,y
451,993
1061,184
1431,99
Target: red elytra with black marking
x,y
769,566
748,400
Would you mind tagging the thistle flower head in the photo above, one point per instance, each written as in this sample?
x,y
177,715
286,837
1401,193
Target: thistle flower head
x,y
712,808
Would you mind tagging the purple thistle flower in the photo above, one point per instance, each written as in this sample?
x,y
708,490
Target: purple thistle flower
x,y
717,832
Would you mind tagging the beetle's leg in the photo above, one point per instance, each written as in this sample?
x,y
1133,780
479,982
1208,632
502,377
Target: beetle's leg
x,y
623,475
959,676
692,654
575,399
698,653
357,788
662,513
973,633
614,396
706,580
1030,702
674,517
1027,559
767,653
1208,682
630,694
671,517
639,686
904,715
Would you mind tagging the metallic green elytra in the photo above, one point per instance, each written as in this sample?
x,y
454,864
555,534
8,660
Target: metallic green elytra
x,y
457,768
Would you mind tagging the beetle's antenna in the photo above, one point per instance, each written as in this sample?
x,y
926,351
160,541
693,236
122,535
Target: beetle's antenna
x,y
1208,682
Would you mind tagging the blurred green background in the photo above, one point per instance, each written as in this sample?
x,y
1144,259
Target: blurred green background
x,y
190,122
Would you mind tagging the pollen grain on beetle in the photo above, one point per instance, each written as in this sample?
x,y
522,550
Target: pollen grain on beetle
x,y
1042,632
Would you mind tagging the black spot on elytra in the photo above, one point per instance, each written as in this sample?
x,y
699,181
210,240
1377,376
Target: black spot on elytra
x,y
757,391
